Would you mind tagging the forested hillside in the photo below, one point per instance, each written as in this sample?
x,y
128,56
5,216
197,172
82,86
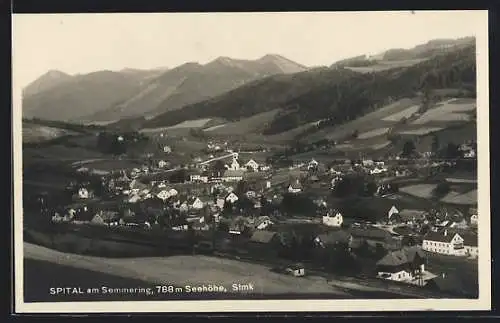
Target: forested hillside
x,y
332,95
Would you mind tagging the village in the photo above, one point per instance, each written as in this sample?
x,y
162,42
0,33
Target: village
x,y
306,213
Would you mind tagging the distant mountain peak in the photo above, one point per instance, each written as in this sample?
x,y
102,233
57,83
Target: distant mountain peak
x,y
285,64
55,73
48,80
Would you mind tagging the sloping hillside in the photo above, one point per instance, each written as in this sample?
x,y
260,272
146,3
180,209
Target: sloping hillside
x,y
46,82
193,82
79,96
333,95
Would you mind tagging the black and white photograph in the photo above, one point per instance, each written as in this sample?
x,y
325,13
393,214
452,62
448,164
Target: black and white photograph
x,y
284,161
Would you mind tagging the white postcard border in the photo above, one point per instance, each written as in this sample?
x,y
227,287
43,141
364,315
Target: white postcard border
x,y
482,303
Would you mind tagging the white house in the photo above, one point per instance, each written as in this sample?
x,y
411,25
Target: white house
x,y
377,170
368,162
134,199
167,149
268,184
119,138
391,212
444,242
253,165
231,197
173,192
263,222
231,175
470,154
163,194
473,219
312,164
197,204
334,181
250,194
162,164
234,164
296,270
406,265
295,187
220,203
199,178
333,220
83,193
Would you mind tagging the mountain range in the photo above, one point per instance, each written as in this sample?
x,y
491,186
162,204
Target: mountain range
x,y
333,95
230,90
110,96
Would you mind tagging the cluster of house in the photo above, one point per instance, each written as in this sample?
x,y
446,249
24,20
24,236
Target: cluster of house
x,y
468,150
232,172
449,235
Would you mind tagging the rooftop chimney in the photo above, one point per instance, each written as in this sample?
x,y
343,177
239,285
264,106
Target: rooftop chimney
x,y
445,233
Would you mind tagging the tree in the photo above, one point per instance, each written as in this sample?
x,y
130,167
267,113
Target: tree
x,y
218,167
442,189
452,151
408,149
371,188
435,144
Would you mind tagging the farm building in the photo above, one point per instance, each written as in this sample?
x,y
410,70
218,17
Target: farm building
x,y
448,242
333,220
405,265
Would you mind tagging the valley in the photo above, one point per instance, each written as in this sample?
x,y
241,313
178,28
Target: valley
x,y
261,169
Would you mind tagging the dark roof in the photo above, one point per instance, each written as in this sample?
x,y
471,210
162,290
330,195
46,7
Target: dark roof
x,y
394,259
263,236
370,232
412,252
334,236
412,214
401,257
234,173
470,239
404,231
449,284
440,236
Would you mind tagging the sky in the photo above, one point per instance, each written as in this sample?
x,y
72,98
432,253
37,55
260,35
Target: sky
x,y
83,43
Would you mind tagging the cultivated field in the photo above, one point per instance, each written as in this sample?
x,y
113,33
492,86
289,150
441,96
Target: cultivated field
x,y
37,133
371,121
449,110
373,133
419,190
185,125
469,198
246,125
420,131
408,112
385,65
461,180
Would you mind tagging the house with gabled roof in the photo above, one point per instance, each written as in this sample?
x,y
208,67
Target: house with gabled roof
x,y
231,175
253,165
264,237
295,187
450,242
404,265
333,219
410,216
231,197
332,238
196,203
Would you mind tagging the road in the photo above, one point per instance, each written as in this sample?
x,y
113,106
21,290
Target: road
x,y
218,158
